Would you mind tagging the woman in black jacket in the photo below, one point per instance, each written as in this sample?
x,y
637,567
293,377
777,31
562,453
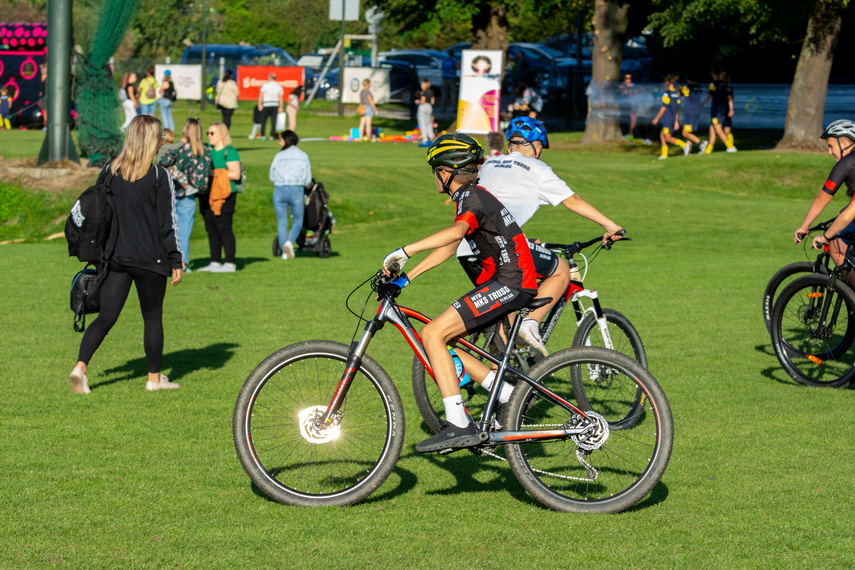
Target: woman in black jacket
x,y
146,254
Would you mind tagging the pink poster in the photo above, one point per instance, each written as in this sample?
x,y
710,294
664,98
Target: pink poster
x,y
480,91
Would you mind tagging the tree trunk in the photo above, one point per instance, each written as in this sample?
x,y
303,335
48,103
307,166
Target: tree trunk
x,y
610,24
810,83
490,27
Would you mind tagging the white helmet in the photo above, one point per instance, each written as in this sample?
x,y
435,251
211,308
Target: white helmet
x,y
841,128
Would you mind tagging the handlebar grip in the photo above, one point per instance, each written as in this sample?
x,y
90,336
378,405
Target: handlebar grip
x,y
394,268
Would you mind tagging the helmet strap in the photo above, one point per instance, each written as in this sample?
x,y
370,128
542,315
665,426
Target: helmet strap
x,y
842,150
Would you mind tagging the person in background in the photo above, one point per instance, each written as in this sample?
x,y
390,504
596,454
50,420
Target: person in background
x,y
425,114
130,103
5,107
668,115
271,99
189,162
148,92
167,96
227,97
720,110
628,91
527,103
366,99
147,252
290,173
495,142
167,145
218,205
293,106
257,117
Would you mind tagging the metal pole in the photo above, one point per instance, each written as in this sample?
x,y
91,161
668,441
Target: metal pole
x,y
204,55
58,89
341,66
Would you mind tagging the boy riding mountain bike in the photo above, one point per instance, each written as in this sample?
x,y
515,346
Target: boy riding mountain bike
x,y
523,183
508,280
840,137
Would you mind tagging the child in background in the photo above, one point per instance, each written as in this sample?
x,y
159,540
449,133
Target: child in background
x,y
257,118
495,142
168,144
691,114
668,115
5,108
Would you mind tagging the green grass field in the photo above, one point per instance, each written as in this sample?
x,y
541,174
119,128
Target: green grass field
x,y
761,468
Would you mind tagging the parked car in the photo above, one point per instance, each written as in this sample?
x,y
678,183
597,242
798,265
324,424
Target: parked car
x,y
417,57
235,55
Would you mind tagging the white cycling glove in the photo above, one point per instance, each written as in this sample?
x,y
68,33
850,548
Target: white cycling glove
x,y
398,256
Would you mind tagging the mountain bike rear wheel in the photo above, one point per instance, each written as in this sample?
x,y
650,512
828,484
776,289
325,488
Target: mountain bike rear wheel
x,y
813,352
293,461
609,470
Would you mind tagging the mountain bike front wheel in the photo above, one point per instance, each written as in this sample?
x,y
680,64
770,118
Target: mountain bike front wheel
x,y
781,279
815,351
292,460
604,470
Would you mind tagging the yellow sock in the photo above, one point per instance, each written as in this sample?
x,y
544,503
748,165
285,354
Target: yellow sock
x,y
680,143
709,148
665,151
729,141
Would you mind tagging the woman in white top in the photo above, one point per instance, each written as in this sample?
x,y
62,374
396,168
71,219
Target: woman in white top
x,y
227,97
293,107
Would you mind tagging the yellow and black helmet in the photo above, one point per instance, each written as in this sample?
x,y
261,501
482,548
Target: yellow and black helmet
x,y
455,151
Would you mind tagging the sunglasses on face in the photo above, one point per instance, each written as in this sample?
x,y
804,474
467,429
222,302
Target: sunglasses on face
x,y
211,133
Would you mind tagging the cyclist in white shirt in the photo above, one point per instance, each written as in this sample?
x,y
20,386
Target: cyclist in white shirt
x,y
523,183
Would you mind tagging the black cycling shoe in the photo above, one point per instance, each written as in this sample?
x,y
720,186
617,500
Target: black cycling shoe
x,y
450,437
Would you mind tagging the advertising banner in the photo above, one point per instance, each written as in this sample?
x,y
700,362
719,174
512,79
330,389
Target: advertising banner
x,y
480,91
353,78
187,79
250,78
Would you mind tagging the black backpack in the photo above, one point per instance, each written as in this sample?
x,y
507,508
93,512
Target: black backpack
x,y
317,210
92,227
169,92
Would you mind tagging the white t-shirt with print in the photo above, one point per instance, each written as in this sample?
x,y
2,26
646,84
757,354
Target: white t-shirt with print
x,y
523,185
271,93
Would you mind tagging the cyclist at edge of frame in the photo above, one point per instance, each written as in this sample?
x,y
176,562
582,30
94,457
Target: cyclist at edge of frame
x,y
524,183
840,137
509,281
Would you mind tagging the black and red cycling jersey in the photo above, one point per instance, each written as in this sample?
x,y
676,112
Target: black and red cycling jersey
x,y
843,171
496,239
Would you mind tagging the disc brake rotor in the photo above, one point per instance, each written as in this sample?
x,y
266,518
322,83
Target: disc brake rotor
x,y
596,435
311,432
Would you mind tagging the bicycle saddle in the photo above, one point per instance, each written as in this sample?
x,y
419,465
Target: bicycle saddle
x,y
538,302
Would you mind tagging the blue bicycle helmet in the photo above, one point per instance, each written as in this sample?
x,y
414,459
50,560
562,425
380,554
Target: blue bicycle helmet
x,y
530,129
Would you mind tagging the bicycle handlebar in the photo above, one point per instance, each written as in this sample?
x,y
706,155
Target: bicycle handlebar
x,y
576,247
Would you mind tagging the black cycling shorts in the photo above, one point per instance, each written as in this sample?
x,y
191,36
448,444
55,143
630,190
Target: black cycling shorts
x,y
545,263
488,303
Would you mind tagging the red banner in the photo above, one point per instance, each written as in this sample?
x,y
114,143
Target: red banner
x,y
250,78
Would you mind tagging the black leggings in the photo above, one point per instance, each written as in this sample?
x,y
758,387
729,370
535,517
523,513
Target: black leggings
x,y
151,288
227,116
221,236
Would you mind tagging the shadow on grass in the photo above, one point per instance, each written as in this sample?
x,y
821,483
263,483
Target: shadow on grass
x,y
406,481
178,363
241,262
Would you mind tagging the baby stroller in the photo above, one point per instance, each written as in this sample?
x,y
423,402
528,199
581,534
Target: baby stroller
x,y
318,223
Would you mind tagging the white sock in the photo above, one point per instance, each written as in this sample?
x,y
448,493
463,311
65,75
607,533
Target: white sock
x,y
504,393
455,413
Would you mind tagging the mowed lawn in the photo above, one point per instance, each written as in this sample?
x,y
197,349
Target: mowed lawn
x,y
761,473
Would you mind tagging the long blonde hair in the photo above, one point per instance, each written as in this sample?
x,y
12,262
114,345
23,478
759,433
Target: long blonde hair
x,y
141,143
224,132
193,132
